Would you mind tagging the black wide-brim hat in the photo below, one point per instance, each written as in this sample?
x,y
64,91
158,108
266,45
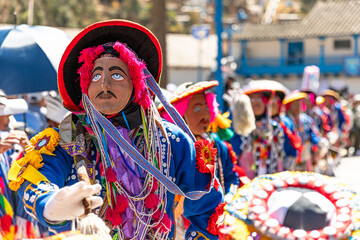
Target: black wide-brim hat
x,y
140,39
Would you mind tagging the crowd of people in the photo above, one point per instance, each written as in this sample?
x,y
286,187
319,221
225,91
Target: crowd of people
x,y
104,149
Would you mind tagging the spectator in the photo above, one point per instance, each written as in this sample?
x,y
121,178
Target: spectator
x,y
34,118
12,144
55,112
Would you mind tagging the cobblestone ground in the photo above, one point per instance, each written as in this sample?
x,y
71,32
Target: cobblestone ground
x,y
348,172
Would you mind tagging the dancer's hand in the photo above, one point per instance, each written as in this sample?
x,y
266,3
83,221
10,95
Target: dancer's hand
x,y
66,203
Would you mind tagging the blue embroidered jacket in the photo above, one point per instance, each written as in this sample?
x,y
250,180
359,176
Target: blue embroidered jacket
x,y
60,171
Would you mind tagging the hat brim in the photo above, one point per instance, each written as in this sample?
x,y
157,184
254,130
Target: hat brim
x,y
292,98
140,39
261,86
191,90
13,106
330,93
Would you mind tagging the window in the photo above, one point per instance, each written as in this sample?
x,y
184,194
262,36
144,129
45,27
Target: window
x,y
342,44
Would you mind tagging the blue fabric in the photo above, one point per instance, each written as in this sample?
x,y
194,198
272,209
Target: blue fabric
x,y
56,169
316,113
30,64
340,114
25,62
35,120
4,32
60,170
288,148
310,129
230,177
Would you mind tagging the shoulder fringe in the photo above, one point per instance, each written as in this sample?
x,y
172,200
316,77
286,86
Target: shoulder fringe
x,y
27,167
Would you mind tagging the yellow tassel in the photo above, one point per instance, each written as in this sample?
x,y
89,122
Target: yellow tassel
x,y
220,121
16,185
35,159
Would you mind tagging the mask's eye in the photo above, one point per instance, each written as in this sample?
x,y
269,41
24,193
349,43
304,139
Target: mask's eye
x,y
96,77
117,76
197,109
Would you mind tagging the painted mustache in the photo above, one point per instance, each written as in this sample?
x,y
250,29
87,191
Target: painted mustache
x,y
204,121
107,92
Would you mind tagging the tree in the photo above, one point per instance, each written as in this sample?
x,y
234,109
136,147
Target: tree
x,y
158,27
60,13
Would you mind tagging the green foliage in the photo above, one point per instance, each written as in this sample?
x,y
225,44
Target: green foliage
x,y
81,13
73,13
60,13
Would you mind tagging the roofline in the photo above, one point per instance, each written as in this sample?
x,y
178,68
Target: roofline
x,y
308,36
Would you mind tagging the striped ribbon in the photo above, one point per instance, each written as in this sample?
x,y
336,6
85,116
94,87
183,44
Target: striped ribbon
x,y
170,109
97,118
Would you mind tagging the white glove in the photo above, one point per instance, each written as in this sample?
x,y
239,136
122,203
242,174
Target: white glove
x,y
66,203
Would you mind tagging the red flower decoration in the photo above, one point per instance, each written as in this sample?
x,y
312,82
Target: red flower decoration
x,y
214,222
205,155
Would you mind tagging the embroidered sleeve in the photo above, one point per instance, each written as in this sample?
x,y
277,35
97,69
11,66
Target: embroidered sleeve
x,y
35,198
32,193
196,236
44,169
56,170
189,178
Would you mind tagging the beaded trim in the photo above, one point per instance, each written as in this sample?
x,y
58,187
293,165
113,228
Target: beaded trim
x,y
249,205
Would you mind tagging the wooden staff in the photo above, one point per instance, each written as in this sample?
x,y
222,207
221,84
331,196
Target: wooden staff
x,y
91,224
